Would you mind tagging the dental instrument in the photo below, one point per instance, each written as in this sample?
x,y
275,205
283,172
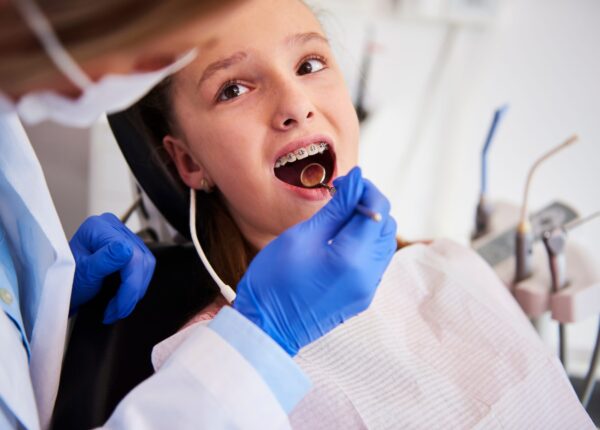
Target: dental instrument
x,y
502,246
313,175
555,243
483,211
590,378
524,237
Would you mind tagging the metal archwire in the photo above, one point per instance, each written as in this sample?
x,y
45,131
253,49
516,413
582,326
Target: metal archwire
x,y
146,159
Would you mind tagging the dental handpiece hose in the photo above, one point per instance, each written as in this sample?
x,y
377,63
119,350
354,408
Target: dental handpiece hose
x,y
590,378
525,237
555,241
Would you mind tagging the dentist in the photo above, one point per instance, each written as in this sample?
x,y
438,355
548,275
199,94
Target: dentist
x,y
70,61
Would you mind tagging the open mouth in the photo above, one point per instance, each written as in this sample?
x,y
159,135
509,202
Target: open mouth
x,y
288,167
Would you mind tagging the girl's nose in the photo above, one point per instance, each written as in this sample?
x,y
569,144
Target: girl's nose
x,y
294,108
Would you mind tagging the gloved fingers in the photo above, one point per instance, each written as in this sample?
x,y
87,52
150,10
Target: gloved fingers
x,y
138,244
364,248
93,265
388,239
331,218
119,228
148,259
99,231
374,199
390,228
135,278
101,246
116,224
96,232
106,260
85,240
361,230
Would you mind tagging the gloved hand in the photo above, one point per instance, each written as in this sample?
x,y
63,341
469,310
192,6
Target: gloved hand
x,y
320,272
103,245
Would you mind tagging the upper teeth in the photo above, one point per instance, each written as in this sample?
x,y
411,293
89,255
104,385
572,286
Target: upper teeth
x,y
301,153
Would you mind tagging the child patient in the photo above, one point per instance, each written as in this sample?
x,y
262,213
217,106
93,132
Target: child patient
x,y
443,344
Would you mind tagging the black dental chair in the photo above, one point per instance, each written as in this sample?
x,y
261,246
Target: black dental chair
x,y
103,363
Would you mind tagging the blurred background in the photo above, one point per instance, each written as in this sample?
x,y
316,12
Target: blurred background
x,y
427,75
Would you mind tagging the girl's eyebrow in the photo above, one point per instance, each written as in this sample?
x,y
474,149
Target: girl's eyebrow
x,y
222,64
301,38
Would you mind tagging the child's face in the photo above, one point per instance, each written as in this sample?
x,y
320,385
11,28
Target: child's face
x,y
268,86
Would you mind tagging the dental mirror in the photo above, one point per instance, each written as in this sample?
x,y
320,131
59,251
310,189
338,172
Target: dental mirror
x,y
313,175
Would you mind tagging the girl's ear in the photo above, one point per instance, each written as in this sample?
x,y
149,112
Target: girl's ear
x,y
191,172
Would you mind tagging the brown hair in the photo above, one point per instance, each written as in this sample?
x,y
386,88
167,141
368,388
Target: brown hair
x,y
88,29
228,251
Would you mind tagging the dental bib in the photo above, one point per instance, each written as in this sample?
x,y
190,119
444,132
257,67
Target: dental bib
x,y
443,345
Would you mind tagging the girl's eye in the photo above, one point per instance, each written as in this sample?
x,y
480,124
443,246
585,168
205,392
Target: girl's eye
x,y
232,91
311,66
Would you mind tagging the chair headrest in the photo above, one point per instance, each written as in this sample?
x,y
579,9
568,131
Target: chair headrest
x,y
146,158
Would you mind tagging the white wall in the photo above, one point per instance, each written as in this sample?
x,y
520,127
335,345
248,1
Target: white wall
x,y
540,57
65,157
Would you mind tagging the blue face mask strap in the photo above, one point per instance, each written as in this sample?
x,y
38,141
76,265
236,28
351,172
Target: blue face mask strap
x,y
40,26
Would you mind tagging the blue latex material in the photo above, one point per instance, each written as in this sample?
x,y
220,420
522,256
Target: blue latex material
x,y
320,272
103,245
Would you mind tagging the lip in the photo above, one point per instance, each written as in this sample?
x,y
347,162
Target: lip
x,y
314,194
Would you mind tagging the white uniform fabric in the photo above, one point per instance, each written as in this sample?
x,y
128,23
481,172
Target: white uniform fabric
x,y
207,382
17,402
220,383
443,345
43,260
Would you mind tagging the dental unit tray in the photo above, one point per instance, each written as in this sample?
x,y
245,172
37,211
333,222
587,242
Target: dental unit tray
x,y
502,247
578,301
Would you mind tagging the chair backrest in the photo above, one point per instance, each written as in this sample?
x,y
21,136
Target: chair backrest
x,y
104,362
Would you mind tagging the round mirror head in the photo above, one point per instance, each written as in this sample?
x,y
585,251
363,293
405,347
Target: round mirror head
x,y
312,175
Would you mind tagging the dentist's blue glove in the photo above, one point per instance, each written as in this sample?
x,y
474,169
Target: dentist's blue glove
x,y
103,245
320,272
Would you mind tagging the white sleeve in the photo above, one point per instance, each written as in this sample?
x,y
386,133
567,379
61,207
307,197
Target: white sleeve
x,y
212,382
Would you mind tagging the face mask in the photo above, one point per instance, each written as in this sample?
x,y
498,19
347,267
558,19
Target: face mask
x,y
110,94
